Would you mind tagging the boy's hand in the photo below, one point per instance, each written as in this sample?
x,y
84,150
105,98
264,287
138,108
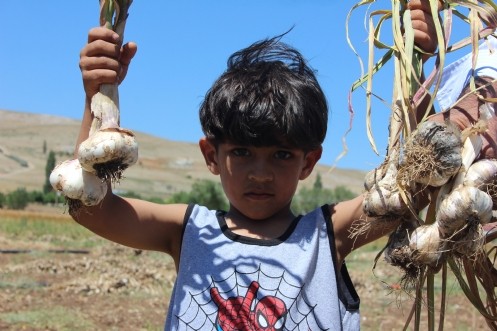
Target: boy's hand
x,y
103,60
425,34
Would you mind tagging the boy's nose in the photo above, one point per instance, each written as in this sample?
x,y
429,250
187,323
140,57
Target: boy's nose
x,y
261,173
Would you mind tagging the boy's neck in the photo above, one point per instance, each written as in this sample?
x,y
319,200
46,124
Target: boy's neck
x,y
269,228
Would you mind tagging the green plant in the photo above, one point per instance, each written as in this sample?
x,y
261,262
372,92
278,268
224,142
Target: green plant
x,y
308,199
17,199
204,192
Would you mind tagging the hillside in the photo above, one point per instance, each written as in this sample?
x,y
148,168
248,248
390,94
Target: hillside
x,y
164,166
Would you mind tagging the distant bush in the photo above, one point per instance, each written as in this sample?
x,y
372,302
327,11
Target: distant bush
x,y
17,199
308,199
2,200
36,196
204,192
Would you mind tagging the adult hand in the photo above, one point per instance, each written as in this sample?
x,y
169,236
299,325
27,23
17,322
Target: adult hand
x,y
425,35
466,113
103,60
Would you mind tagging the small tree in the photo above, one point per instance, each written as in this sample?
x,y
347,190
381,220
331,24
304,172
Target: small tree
x,y
2,200
318,183
47,187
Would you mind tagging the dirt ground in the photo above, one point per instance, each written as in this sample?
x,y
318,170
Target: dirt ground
x,y
110,287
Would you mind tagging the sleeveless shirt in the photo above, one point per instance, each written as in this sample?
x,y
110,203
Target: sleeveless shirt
x,y
230,282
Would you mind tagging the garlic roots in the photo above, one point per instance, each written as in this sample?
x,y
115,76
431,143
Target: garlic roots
x,y
432,155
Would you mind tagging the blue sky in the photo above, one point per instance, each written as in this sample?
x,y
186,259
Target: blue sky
x,y
182,49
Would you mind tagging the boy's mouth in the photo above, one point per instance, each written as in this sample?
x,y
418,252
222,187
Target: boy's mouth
x,y
258,195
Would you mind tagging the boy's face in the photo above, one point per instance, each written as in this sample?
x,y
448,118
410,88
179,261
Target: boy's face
x,y
259,181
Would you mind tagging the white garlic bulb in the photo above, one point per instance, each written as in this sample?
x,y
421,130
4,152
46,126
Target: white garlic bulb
x,y
384,198
463,205
426,245
77,184
108,151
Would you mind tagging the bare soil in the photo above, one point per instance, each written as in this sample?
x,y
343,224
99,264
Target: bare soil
x,y
109,287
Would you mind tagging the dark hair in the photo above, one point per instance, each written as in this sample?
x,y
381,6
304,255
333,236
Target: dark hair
x,y
267,96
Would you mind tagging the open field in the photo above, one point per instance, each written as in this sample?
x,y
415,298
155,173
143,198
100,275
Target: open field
x,y
56,275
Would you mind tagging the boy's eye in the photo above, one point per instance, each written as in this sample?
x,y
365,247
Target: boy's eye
x,y
283,155
240,152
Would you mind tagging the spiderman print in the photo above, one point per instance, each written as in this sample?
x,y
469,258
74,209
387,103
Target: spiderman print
x,y
236,313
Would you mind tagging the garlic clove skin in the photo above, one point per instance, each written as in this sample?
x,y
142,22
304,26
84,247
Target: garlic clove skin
x,y
384,198
463,205
426,245
482,174
374,176
381,201
108,152
77,184
470,242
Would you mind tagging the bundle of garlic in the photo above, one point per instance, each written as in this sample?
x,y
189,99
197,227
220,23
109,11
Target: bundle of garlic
x,y
433,158
109,149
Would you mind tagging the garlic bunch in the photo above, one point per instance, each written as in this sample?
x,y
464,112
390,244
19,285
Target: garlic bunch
x,y
109,149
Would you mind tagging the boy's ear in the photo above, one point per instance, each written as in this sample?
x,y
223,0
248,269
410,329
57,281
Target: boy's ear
x,y
311,158
209,152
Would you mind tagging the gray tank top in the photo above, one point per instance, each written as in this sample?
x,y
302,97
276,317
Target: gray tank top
x,y
230,282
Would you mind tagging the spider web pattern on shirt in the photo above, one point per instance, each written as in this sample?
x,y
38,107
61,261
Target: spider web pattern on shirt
x,y
201,313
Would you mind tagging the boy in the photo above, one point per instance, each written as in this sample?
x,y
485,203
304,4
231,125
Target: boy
x,y
255,266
